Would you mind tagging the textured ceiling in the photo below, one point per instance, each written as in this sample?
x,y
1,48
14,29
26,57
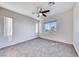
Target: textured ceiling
x,y
26,8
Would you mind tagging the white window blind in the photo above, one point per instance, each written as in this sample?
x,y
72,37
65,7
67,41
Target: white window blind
x,y
37,27
7,26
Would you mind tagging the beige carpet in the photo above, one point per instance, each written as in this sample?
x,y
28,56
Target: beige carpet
x,y
39,48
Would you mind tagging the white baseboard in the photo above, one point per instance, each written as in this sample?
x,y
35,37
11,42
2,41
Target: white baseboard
x,y
17,42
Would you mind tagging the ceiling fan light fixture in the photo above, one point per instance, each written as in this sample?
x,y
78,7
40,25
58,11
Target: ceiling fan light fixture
x,y
40,14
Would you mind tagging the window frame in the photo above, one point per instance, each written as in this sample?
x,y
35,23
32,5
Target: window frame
x,y
8,28
48,22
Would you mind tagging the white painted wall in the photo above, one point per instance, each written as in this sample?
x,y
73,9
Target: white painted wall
x,y
76,27
64,28
23,28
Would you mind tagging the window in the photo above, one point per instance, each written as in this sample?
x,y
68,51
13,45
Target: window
x,y
37,27
50,26
7,26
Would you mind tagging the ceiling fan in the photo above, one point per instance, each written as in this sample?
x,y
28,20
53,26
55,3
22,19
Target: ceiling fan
x,y
41,12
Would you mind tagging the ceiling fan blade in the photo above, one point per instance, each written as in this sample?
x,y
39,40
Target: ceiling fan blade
x,y
44,15
45,11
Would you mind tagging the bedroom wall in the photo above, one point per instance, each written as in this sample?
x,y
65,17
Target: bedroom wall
x,y
64,28
24,28
76,27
